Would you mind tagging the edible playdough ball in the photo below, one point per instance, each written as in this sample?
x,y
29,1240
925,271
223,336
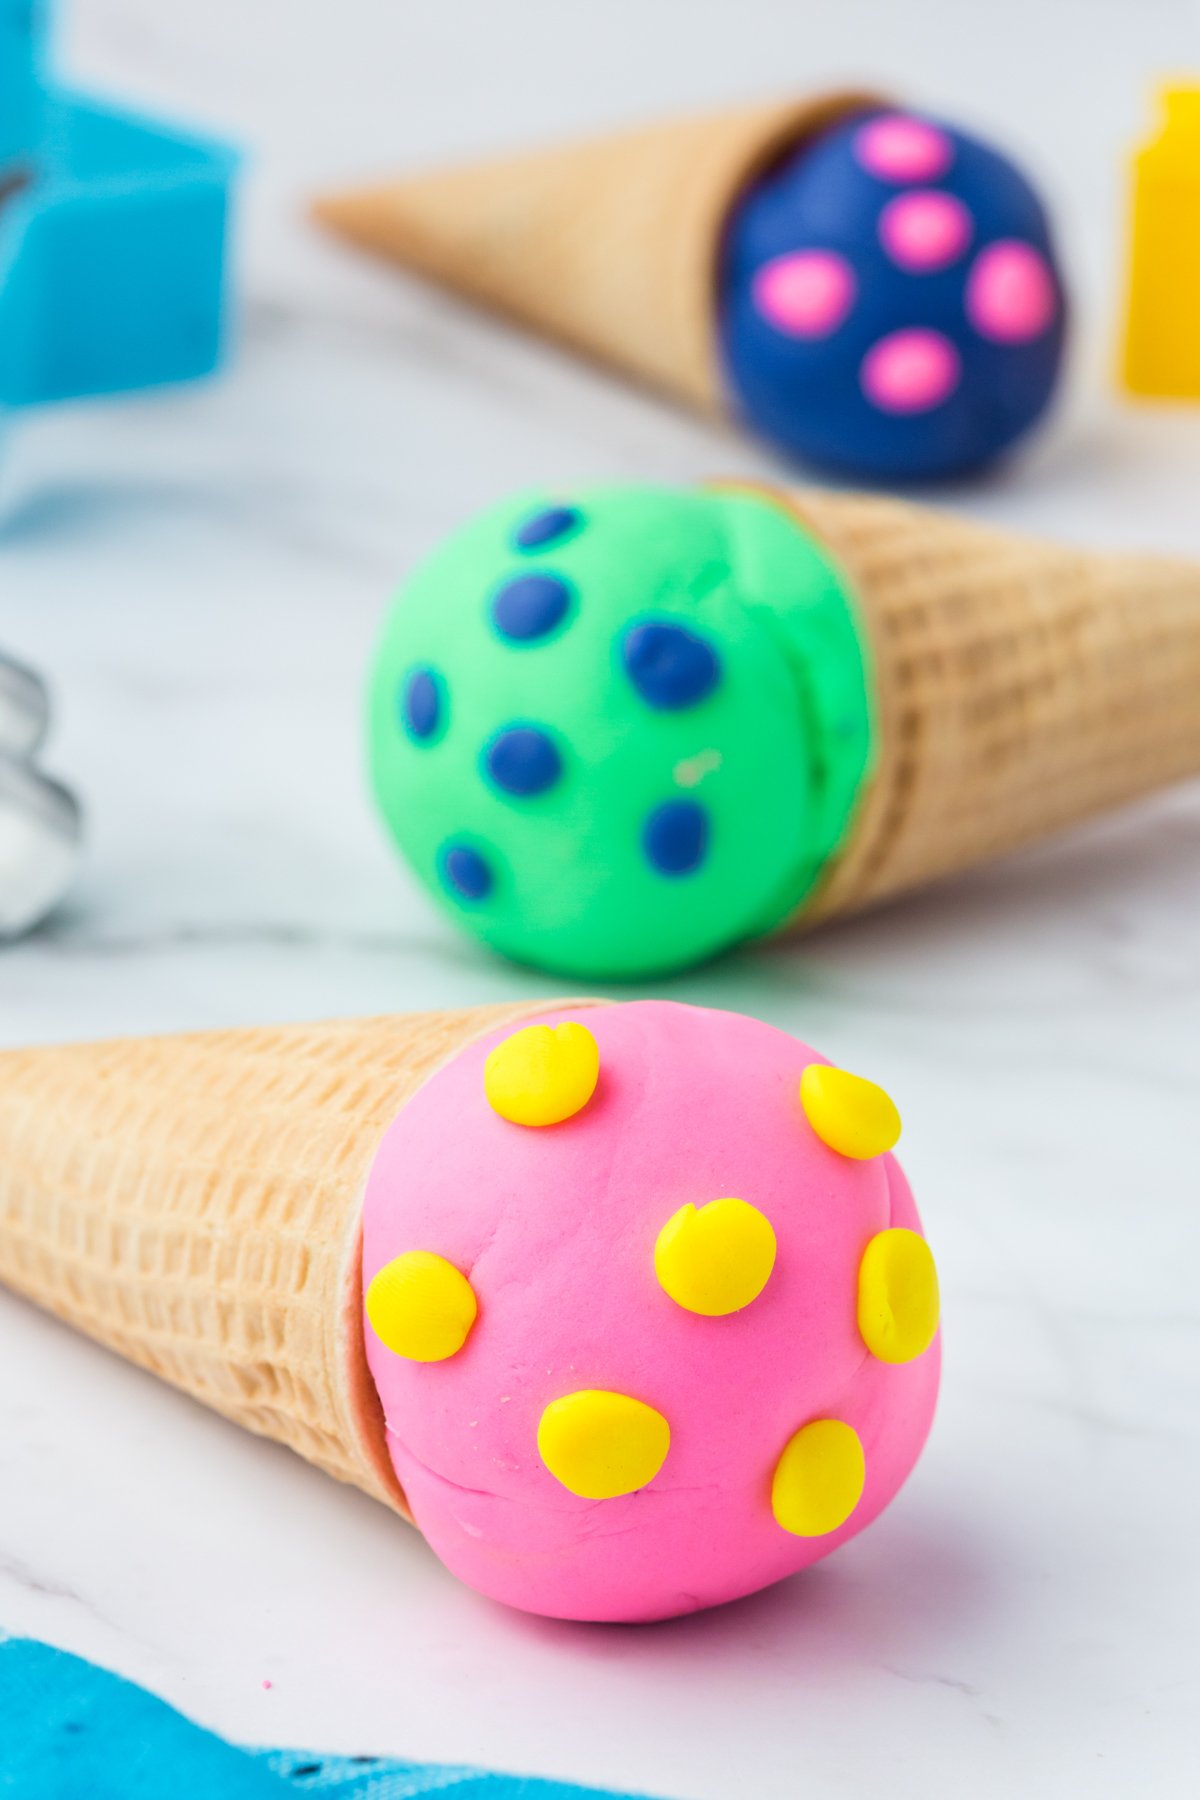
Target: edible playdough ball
x,y
889,300
421,1307
715,1259
600,1446
854,1117
616,733
819,1479
897,1296
540,1076
703,1348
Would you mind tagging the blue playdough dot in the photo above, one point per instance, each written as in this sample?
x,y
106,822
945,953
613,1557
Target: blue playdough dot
x,y
523,760
421,704
670,667
675,837
530,606
465,871
543,528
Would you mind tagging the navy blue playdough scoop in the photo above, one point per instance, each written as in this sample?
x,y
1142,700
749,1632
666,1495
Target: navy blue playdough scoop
x,y
868,289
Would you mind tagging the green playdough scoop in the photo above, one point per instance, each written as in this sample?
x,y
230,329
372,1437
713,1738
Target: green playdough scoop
x,y
617,735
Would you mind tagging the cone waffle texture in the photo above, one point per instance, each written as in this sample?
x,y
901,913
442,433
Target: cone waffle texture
x,y
610,245
1021,686
194,1203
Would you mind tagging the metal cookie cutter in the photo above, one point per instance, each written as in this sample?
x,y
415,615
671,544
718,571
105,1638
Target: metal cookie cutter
x,y
112,236
40,820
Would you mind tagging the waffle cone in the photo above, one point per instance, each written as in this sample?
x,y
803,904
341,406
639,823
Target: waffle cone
x,y
609,246
193,1203
1021,686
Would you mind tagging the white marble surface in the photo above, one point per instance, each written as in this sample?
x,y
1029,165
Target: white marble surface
x,y
202,573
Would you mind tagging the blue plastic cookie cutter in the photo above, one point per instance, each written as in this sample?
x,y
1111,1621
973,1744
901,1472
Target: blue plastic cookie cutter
x,y
112,236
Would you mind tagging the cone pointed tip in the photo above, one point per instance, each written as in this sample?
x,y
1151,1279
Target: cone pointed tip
x,y
339,212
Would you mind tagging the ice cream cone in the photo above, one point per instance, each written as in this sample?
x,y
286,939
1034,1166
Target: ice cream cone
x,y
609,245
867,288
1020,687
656,723
477,1264
194,1203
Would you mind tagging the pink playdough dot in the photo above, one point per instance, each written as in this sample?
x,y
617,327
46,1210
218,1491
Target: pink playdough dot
x,y
901,148
926,230
806,293
1010,293
910,371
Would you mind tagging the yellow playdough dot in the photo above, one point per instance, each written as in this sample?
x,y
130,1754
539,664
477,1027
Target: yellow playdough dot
x,y
715,1259
421,1307
542,1074
852,1116
818,1479
600,1445
897,1296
